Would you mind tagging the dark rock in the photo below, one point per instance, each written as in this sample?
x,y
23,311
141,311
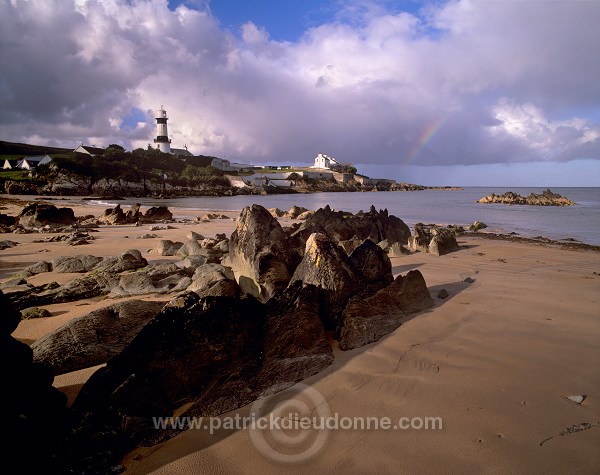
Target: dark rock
x,y
546,198
221,288
158,213
7,244
134,214
10,316
94,338
35,312
113,216
260,254
207,275
342,226
191,263
295,211
442,294
276,212
397,250
350,244
469,280
366,320
37,215
200,351
372,262
81,263
7,220
477,225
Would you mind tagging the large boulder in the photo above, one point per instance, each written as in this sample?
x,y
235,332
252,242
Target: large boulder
x,y
366,320
113,216
37,268
158,213
200,352
37,215
434,240
81,263
260,254
166,247
190,248
342,226
94,338
134,214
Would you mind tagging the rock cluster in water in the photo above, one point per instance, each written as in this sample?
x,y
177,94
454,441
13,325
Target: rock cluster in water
x,y
546,198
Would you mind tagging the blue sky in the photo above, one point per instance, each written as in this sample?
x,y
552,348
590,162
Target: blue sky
x,y
433,92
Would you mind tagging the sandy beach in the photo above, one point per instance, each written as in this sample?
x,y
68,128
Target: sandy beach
x,y
495,361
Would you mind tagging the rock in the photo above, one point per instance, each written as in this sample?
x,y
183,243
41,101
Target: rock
x,y
37,215
221,288
158,213
190,263
35,312
436,241
295,211
260,254
127,260
372,262
546,198
366,320
469,280
7,244
156,278
37,268
7,220
443,242
327,267
166,247
94,338
442,294
222,246
134,214
208,243
295,344
220,236
342,226
349,245
200,352
34,412
190,248
113,216
193,235
12,283
208,274
397,250
305,215
10,317
81,263
276,212
577,399
477,225
147,236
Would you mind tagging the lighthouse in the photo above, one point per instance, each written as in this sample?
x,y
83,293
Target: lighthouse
x,y
162,136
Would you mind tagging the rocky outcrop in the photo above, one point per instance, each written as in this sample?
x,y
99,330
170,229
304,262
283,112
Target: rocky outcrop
x,y
434,240
342,226
366,320
94,338
37,215
166,247
113,216
35,312
127,260
546,198
158,213
134,214
156,278
295,211
260,254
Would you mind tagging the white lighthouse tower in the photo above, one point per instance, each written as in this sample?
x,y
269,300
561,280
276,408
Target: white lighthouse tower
x,y
162,136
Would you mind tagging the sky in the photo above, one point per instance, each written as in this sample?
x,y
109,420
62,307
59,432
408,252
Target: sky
x,y
457,92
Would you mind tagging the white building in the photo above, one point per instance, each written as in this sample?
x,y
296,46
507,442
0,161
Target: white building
x,y
91,151
326,162
29,163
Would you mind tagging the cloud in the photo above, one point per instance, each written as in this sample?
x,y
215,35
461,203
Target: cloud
x,y
461,82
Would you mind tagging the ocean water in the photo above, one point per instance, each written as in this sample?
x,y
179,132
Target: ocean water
x,y
581,222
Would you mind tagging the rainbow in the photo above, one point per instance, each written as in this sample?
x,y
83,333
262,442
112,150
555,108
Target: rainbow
x,y
425,138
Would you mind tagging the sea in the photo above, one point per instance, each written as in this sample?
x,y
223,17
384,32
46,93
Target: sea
x,y
580,222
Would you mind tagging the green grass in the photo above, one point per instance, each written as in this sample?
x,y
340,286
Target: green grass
x,y
17,175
